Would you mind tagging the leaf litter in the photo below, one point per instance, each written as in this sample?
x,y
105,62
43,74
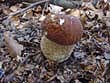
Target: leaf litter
x,y
21,58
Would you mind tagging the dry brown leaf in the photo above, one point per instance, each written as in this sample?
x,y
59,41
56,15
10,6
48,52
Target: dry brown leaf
x,y
42,18
88,5
6,11
14,8
83,17
28,14
90,68
15,20
75,12
106,19
13,47
38,9
55,9
99,12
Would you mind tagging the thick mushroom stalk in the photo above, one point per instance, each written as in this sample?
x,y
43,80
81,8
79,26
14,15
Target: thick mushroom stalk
x,y
54,51
62,32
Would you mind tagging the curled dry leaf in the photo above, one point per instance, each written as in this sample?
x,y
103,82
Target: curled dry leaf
x,y
55,9
75,12
6,11
28,14
14,8
38,9
100,14
42,18
106,20
88,5
15,21
13,47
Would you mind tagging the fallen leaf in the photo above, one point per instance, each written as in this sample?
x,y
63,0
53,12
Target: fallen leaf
x,y
6,11
42,18
28,14
15,21
55,9
75,12
14,8
38,9
14,47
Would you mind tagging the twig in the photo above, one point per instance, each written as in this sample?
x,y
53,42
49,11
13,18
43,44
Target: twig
x,y
9,76
24,10
45,6
49,80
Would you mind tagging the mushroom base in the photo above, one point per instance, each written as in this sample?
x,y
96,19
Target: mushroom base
x,y
54,51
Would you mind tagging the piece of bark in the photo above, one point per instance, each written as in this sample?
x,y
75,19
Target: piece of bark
x,y
67,3
14,47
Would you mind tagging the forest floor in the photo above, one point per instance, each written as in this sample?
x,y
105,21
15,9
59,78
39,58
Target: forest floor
x,y
22,61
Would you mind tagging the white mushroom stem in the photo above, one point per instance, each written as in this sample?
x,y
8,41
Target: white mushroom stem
x,y
54,51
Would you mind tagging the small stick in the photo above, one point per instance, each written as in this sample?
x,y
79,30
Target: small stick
x,y
32,5
25,9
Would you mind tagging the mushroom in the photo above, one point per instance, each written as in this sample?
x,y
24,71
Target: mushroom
x,y
61,33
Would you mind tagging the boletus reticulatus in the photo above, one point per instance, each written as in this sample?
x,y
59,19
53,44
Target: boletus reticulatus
x,y
62,32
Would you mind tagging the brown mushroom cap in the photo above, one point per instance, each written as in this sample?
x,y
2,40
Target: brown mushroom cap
x,y
63,29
